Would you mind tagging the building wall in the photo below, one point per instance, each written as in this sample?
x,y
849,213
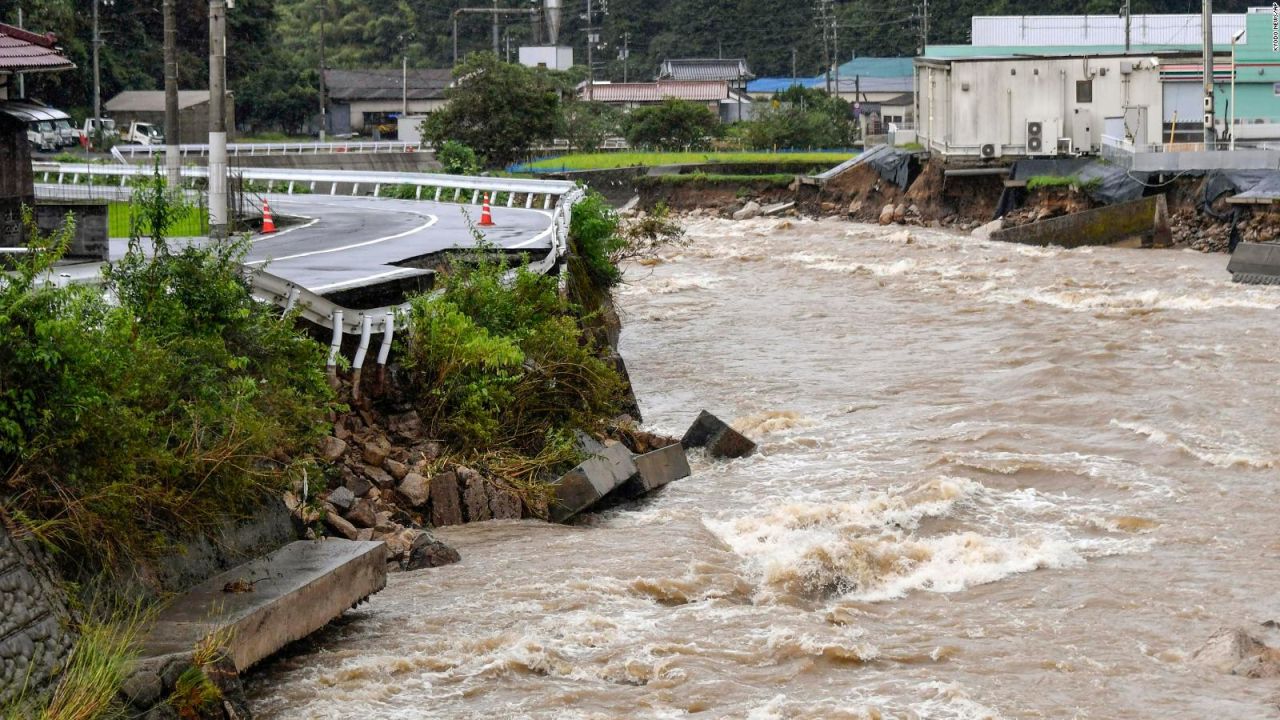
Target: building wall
x,y
16,187
193,121
360,108
965,104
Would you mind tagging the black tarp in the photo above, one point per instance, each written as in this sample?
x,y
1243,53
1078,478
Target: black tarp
x,y
1103,181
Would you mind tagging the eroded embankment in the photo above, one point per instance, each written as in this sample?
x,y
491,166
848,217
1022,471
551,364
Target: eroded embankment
x,y
1199,215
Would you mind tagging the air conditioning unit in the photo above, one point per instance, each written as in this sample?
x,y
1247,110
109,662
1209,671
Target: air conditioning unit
x,y
1065,146
1035,137
989,151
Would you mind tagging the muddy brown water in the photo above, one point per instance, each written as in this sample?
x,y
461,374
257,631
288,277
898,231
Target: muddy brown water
x,y
994,482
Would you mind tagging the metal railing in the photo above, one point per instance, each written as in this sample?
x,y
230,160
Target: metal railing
x,y
558,197
123,153
429,186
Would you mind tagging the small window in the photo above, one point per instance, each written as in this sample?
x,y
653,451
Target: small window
x,y
1275,89
1084,91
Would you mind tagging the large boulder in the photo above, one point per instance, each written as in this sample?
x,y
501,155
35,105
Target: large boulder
x,y
342,498
720,440
415,489
886,215
475,496
446,504
1238,652
428,552
362,514
376,450
750,210
340,526
984,232
331,448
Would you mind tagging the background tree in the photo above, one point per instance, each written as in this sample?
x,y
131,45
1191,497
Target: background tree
x,y
801,118
499,110
673,125
588,124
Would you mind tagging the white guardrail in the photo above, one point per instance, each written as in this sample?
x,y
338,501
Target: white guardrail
x,y
557,196
121,152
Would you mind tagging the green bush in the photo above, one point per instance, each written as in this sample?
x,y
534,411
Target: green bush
x,y
458,159
162,412
672,125
594,229
497,361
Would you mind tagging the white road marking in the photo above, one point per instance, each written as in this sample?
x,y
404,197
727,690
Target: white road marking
x,y
432,221
358,281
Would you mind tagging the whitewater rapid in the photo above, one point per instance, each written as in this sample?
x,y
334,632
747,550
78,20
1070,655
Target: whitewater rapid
x,y
994,481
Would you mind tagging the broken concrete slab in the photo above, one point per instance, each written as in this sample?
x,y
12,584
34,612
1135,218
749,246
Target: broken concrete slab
x,y
720,440
295,591
1255,264
654,470
584,486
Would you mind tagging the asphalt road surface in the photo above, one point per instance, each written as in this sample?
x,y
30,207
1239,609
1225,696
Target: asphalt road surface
x,y
349,242
345,242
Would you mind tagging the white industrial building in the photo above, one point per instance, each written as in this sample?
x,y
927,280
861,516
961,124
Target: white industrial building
x,y
1027,106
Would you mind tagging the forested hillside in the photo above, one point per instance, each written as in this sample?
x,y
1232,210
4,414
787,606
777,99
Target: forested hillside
x,y
274,44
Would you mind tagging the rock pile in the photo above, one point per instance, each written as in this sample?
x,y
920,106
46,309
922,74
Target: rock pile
x,y
389,483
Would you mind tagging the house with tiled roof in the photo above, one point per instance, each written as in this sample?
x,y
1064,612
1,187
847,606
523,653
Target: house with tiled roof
x,y
725,101
23,51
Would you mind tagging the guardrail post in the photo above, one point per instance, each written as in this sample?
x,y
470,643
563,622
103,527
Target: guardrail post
x,y
546,202
457,193
333,189
355,189
438,193
528,201
290,187
475,197
511,199
357,367
418,194
377,189
294,294
331,366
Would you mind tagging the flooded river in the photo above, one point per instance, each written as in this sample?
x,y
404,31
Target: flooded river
x,y
995,481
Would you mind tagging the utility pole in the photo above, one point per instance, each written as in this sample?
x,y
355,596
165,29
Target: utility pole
x,y
1206,21
1128,12
496,49
794,75
324,111
97,86
591,65
626,53
218,222
22,78
924,28
172,156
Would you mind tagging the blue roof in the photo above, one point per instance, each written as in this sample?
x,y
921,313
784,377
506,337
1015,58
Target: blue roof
x,y
777,84
892,67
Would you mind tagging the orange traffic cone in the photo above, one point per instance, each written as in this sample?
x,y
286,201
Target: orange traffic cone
x,y
486,215
268,222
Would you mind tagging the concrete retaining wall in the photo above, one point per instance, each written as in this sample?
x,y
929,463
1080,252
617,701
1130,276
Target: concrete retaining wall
x,y
90,240
34,638
418,162
1100,226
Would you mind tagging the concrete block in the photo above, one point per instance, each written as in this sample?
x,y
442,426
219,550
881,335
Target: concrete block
x,y
296,591
1100,226
655,469
584,486
1255,263
717,437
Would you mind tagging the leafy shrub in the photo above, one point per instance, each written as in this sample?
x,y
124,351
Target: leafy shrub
x,y
162,413
594,230
496,360
458,159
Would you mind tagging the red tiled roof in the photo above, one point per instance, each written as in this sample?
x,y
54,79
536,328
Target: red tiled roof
x,y
697,91
22,50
